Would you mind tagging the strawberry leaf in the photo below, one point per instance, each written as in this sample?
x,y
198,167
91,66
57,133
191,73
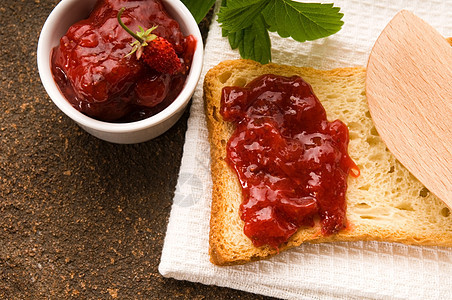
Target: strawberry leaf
x,y
198,8
302,21
246,23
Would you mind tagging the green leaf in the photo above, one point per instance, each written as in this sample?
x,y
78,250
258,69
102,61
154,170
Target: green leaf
x,y
253,42
246,23
199,8
236,15
302,21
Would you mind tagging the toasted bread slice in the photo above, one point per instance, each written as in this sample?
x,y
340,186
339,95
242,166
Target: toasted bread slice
x,y
385,203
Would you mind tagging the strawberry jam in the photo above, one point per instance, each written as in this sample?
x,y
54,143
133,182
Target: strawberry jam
x,y
291,162
93,71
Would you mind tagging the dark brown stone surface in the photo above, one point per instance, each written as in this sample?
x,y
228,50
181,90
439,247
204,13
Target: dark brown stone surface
x,y
79,217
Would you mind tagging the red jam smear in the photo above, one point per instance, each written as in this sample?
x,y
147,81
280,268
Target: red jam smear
x,y
291,162
93,71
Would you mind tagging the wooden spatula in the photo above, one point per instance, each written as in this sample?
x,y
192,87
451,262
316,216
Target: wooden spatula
x,y
409,90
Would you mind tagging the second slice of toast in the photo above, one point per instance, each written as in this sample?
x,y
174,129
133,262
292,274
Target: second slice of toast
x,y
385,203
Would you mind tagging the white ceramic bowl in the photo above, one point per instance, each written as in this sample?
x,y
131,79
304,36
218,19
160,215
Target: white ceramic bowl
x,y
66,13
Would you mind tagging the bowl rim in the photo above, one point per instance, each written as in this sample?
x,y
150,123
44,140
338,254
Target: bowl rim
x,y
44,68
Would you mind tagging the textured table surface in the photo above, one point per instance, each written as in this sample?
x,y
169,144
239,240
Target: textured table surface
x,y
79,217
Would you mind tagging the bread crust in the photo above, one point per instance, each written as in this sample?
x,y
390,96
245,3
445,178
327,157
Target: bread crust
x,y
227,243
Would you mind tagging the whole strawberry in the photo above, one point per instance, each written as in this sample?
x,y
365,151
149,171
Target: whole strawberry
x,y
160,55
157,52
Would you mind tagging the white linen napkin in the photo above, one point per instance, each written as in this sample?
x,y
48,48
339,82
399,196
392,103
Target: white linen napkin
x,y
356,270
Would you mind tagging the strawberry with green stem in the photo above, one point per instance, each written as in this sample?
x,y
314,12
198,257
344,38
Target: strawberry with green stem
x,y
156,51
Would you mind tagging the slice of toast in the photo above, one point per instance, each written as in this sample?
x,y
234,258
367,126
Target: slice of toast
x,y
385,203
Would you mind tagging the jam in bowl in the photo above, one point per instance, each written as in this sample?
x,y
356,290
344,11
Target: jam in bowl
x,y
85,68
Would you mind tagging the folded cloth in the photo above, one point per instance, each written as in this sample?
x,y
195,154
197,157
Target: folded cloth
x,y
356,270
